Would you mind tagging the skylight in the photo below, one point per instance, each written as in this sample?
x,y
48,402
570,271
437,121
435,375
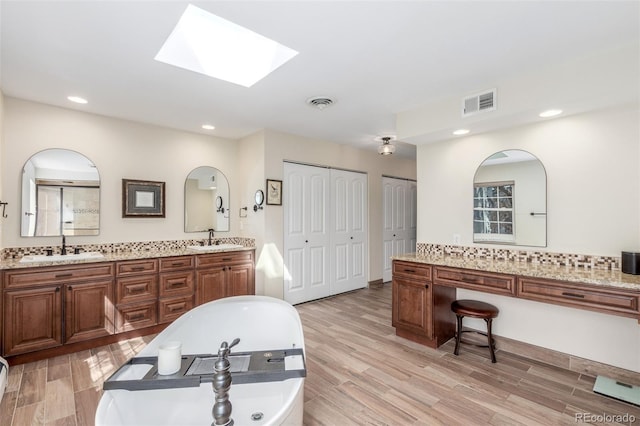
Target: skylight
x,y
210,45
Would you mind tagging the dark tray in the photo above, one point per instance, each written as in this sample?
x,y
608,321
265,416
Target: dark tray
x,y
246,367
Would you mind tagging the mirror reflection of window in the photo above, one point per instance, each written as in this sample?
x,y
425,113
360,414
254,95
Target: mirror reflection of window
x,y
502,214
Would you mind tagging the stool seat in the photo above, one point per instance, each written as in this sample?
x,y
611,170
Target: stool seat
x,y
474,309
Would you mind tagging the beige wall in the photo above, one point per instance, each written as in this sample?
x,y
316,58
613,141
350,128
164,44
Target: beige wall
x,y
593,194
120,149
280,147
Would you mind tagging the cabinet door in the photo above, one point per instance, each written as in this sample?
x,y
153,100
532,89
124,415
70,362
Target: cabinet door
x,y
240,280
210,285
32,320
412,306
89,311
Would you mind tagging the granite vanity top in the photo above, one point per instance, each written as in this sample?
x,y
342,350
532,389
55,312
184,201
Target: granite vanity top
x,y
112,257
602,277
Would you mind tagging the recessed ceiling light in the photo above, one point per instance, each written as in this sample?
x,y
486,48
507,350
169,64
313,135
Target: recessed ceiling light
x,y
77,99
208,44
460,132
208,127
550,113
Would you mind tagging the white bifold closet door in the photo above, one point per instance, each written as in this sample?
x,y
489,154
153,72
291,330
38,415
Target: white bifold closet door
x,y
325,227
399,222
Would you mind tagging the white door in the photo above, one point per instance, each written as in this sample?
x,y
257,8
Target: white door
x,y
306,229
349,249
399,199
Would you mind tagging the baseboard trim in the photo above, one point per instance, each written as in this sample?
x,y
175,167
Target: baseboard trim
x,y
566,361
376,283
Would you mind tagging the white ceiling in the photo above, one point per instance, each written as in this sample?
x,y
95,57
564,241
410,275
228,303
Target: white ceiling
x,y
374,59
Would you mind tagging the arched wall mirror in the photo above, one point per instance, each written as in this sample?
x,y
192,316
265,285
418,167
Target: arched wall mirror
x,y
206,200
60,195
510,200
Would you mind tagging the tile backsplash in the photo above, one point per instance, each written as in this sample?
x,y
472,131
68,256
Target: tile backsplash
x,y
108,248
541,257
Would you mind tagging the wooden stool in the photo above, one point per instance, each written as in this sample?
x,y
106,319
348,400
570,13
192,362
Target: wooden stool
x,y
475,309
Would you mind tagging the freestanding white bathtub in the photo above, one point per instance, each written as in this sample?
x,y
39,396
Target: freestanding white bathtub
x,y
262,323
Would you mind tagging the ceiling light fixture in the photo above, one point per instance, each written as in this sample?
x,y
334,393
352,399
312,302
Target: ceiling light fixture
x,y
550,113
460,132
77,99
387,148
208,44
208,127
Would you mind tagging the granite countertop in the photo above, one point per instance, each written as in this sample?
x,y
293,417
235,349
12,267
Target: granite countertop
x,y
602,277
112,257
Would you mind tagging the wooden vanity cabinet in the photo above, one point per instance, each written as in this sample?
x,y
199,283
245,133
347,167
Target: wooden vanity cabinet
x,y
176,287
136,294
415,313
48,307
488,282
226,274
616,301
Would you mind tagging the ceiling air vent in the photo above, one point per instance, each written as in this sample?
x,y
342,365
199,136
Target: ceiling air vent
x,y
320,102
481,102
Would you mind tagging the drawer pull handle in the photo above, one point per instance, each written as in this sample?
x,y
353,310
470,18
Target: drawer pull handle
x,y
227,259
138,268
413,271
178,264
136,317
578,296
426,286
176,284
176,307
64,275
137,289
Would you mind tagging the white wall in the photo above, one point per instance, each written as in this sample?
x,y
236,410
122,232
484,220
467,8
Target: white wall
x,y
280,147
593,191
120,149
2,149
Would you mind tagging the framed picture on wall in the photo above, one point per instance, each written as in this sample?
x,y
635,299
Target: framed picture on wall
x,y
274,192
142,198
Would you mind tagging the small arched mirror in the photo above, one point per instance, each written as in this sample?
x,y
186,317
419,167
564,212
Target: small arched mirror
x,y
60,195
206,200
510,200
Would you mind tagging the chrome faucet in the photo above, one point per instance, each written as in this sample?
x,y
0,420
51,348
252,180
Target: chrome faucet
x,y
221,385
210,235
63,250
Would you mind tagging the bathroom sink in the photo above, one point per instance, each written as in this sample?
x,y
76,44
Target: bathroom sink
x,y
60,257
215,247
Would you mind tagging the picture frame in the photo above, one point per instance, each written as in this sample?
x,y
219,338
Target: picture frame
x,y
143,198
274,192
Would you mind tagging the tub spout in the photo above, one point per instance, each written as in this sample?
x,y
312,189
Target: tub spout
x,y
221,385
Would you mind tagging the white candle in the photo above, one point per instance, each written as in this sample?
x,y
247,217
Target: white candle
x,y
169,357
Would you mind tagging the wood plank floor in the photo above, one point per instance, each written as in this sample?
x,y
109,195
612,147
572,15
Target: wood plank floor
x,y
359,373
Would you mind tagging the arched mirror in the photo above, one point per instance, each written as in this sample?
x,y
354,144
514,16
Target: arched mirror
x,y
60,195
510,200
206,200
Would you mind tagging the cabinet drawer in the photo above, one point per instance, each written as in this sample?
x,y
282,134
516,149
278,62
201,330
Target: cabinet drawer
x,y
136,289
131,267
136,316
207,260
170,309
177,263
62,274
176,283
412,270
580,296
475,280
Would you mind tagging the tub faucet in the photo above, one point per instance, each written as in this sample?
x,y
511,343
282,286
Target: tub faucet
x,y
210,235
63,250
221,385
